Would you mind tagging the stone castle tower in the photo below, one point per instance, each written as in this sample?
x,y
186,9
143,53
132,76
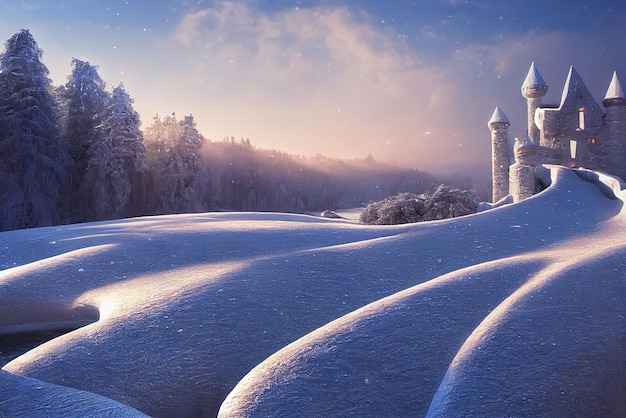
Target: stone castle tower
x,y
576,133
499,126
533,90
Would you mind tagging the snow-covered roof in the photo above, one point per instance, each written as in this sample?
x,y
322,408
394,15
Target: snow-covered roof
x,y
574,85
534,82
498,117
615,88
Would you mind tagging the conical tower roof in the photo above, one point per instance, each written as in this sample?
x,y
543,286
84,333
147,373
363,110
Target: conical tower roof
x,y
615,94
498,117
534,85
575,88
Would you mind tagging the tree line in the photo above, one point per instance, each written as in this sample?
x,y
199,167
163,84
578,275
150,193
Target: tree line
x,y
77,153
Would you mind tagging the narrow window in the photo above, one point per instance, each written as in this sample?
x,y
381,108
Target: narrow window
x,y
572,149
581,119
592,141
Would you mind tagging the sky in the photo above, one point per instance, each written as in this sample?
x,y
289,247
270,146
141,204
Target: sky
x,y
411,82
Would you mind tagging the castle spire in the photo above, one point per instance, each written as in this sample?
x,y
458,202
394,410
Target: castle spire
x,y
534,86
498,117
615,94
533,89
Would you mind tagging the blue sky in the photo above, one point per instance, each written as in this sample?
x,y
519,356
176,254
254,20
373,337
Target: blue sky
x,y
412,82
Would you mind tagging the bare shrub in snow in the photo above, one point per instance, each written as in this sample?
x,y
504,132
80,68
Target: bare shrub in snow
x,y
449,203
404,208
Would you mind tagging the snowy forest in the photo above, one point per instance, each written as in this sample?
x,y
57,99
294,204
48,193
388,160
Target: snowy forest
x,y
77,153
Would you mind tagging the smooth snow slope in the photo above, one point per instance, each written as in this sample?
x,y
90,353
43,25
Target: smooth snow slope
x,y
539,334
456,311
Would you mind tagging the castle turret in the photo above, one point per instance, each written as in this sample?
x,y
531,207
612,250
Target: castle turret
x,y
614,95
522,173
533,89
614,145
499,127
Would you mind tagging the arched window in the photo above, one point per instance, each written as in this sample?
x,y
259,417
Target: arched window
x,y
581,119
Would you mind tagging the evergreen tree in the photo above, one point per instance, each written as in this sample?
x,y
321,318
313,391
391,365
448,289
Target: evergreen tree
x,y
33,165
180,179
84,99
117,164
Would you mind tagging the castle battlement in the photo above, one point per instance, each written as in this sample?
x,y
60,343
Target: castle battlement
x,y
577,133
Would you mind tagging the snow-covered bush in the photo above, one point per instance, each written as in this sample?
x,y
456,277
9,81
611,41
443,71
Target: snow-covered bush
x,y
400,209
404,208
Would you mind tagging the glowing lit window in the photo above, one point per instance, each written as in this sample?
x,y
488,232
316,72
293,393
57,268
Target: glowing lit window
x,y
592,141
581,119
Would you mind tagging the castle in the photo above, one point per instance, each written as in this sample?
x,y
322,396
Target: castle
x,y
576,133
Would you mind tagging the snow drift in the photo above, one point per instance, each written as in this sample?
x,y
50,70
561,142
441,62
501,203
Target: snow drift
x,y
513,311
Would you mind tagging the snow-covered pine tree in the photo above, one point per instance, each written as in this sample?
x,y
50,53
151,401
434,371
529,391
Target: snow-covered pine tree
x,y
180,179
84,99
33,164
117,164
200,199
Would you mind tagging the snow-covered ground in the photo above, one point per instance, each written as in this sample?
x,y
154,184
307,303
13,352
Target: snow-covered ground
x,y
517,311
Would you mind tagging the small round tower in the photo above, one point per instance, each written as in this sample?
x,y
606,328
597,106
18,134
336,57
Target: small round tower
x,y
614,144
499,127
533,89
522,172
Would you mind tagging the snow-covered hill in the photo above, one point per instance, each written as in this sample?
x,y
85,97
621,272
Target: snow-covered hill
x,y
513,311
